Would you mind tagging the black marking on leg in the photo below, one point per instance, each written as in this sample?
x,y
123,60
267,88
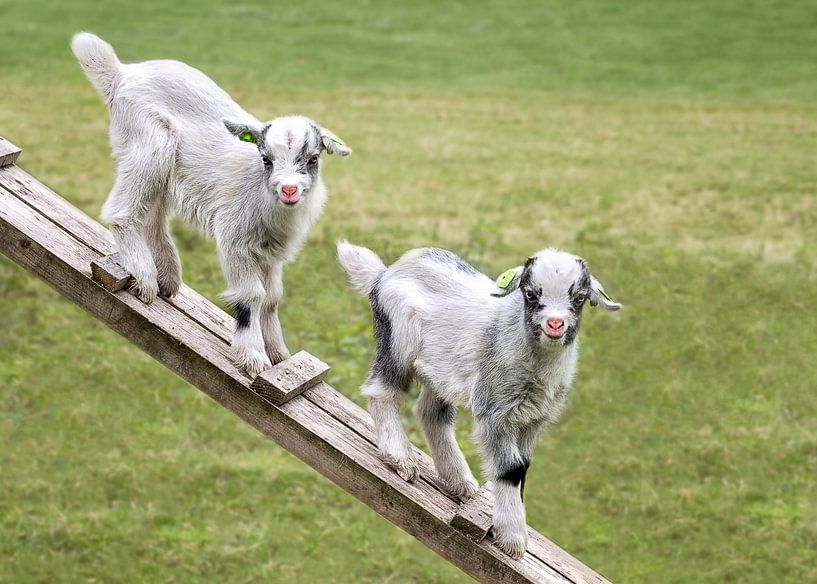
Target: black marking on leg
x,y
386,366
515,475
242,315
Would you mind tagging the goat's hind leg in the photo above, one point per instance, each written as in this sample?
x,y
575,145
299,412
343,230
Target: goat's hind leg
x,y
165,254
125,212
392,443
437,418
144,154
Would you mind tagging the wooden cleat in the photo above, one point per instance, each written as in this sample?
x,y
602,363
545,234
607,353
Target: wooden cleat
x,y
109,273
8,153
290,378
475,517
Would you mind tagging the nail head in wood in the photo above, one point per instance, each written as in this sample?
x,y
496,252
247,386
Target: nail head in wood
x,y
290,378
8,153
475,517
108,272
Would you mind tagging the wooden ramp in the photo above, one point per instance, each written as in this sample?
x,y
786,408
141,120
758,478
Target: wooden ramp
x,y
190,335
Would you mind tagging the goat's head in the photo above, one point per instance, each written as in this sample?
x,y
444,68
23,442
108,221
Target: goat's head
x,y
290,149
553,287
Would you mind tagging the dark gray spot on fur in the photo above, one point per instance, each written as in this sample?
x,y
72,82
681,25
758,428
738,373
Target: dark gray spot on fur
x,y
385,365
444,256
437,411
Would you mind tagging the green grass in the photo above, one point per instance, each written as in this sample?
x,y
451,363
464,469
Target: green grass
x,y
672,144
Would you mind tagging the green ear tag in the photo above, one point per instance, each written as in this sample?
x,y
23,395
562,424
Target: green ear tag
x,y
246,137
603,293
506,277
332,136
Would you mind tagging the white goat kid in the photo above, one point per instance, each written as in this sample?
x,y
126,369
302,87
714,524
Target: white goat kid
x,y
182,144
507,352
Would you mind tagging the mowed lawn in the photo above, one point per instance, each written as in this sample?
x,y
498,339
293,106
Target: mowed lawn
x,y
672,144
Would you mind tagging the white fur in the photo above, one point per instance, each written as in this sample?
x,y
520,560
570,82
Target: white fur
x,y
174,154
468,345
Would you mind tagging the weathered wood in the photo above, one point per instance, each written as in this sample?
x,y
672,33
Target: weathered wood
x,y
290,378
80,226
46,235
8,152
475,516
108,272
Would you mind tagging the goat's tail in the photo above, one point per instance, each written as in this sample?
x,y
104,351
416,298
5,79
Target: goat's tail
x,y
363,266
99,61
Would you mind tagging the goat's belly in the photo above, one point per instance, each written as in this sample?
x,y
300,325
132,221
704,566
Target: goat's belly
x,y
196,210
448,378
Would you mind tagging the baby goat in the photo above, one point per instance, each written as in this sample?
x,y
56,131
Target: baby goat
x,y
182,144
506,350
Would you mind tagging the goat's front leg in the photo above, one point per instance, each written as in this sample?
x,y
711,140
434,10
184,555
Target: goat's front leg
x,y
527,441
507,467
270,325
246,294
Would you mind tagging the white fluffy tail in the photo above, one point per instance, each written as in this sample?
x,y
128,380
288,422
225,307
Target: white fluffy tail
x,y
99,61
363,266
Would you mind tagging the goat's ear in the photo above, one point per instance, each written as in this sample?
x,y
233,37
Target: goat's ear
x,y
333,144
245,133
508,281
598,297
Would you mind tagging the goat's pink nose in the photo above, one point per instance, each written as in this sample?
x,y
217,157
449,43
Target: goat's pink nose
x,y
555,323
289,190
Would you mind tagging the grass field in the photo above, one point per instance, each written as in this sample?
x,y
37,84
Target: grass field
x,y
672,144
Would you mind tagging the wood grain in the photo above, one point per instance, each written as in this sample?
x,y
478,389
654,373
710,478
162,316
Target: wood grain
x,y
190,335
475,517
290,378
8,153
108,272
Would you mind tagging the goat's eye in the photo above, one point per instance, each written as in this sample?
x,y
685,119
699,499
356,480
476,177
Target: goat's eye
x,y
314,160
530,296
267,161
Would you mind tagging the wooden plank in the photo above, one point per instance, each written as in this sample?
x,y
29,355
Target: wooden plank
x,y
475,517
561,561
8,153
203,359
200,309
108,272
290,378
48,203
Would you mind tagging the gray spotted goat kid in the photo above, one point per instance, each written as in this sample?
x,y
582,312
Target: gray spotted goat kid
x,y
182,145
506,350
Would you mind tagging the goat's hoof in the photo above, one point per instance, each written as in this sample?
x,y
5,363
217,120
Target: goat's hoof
x,y
169,287
145,290
513,544
405,466
276,357
462,489
254,364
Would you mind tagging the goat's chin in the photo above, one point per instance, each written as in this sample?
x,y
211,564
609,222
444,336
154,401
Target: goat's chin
x,y
549,342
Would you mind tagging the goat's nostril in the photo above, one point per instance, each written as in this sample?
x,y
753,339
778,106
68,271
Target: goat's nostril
x,y
289,190
555,323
